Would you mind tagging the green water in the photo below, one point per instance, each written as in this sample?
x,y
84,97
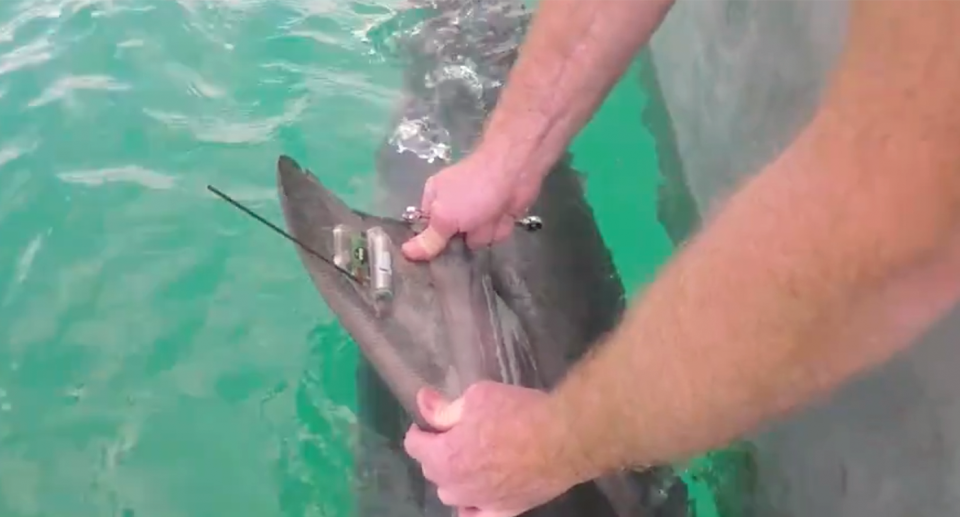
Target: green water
x,y
161,355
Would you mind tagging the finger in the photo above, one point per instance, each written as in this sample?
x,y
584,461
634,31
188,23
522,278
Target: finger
x,y
418,444
429,194
426,245
439,413
450,498
430,450
430,242
481,237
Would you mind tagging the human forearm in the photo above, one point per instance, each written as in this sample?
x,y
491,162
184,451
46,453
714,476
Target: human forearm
x,y
745,325
833,259
574,53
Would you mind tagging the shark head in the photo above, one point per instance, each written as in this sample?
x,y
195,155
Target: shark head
x,y
438,324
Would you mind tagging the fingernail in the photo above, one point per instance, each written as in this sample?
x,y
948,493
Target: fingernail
x,y
431,242
418,248
438,412
429,400
448,415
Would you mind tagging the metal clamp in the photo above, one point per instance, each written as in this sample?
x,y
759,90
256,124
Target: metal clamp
x,y
530,223
413,214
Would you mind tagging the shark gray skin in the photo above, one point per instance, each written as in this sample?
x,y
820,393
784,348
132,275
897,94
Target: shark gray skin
x,y
520,312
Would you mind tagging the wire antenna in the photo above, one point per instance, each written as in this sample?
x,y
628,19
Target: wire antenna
x,y
279,230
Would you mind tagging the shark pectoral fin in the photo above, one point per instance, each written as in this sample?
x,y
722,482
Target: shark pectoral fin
x,y
312,205
418,323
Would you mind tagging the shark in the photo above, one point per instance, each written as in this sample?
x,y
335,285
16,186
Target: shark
x,y
521,311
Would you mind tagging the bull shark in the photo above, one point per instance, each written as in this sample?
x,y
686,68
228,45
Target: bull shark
x,y
519,312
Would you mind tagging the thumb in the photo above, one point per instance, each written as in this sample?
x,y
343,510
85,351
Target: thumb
x,y
427,244
439,413
430,242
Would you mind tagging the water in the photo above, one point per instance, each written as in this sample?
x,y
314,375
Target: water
x,y
162,355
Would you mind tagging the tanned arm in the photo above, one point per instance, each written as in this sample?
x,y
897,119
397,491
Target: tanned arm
x,y
832,260
574,53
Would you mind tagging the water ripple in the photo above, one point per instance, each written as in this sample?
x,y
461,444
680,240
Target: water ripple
x,y
15,150
196,84
152,338
65,88
130,173
33,12
219,130
32,54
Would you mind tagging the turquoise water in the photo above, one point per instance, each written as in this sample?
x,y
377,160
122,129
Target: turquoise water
x,y
162,355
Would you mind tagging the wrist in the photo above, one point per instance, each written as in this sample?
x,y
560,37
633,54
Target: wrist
x,y
580,447
515,155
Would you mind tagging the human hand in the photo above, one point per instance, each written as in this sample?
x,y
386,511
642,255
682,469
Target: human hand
x,y
471,197
500,450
